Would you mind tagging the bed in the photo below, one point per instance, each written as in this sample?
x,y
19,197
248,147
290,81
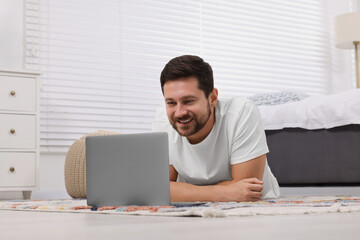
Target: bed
x,y
314,140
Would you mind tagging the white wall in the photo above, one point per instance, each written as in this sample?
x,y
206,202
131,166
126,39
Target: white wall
x,y
11,34
52,172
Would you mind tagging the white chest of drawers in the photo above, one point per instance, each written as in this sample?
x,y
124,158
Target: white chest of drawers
x,y
19,131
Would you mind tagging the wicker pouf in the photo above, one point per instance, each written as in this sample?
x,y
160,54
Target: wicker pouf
x,y
75,166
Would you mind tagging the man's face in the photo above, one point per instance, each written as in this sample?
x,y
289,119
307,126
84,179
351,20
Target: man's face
x,y
187,107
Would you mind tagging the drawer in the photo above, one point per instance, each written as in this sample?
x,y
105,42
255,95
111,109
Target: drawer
x,y
17,169
17,131
17,94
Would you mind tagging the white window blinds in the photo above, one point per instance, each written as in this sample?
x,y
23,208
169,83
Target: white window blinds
x,y
101,60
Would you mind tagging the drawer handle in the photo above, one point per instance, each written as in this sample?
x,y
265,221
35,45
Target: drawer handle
x,y
12,92
12,131
12,169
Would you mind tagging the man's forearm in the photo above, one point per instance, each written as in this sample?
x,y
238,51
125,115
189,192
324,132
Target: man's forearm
x,y
185,192
249,189
225,183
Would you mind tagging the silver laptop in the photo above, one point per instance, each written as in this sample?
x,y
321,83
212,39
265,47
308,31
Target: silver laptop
x,y
128,169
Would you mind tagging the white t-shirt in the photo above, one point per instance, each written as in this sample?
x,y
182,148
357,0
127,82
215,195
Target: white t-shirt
x,y
236,137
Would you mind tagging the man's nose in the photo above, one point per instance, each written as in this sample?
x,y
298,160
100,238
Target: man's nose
x,y
180,111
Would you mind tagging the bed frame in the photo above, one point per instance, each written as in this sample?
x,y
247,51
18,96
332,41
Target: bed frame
x,y
315,157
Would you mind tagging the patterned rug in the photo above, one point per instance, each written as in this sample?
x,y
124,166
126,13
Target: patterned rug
x,y
282,206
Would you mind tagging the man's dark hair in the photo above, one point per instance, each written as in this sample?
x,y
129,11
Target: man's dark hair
x,y
189,66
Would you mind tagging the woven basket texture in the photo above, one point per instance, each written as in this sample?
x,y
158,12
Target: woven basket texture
x,y
75,166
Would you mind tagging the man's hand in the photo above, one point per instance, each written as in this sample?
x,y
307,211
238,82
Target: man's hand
x,y
246,190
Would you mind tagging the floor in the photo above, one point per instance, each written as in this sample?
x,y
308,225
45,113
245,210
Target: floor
x,y
47,225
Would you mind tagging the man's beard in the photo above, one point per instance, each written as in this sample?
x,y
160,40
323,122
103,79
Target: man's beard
x,y
199,122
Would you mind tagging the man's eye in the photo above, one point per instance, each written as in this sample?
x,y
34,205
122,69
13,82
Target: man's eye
x,y
189,101
170,103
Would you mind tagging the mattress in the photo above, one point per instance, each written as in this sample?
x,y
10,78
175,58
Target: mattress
x,y
315,157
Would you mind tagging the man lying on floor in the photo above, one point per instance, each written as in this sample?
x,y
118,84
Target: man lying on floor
x,y
217,147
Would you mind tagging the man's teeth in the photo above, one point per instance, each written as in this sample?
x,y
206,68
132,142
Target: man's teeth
x,y
185,121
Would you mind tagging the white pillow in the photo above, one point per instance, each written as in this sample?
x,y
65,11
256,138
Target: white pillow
x,y
276,98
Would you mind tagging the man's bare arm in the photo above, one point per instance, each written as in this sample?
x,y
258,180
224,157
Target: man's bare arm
x,y
185,192
250,169
245,185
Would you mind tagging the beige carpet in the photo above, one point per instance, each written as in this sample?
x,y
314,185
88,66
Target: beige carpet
x,y
288,205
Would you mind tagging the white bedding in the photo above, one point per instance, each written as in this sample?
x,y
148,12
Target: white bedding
x,y
314,112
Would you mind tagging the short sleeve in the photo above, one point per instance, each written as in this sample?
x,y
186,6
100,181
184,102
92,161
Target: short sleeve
x,y
249,136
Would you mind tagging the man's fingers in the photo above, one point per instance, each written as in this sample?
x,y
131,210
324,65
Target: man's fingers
x,y
256,196
253,180
256,187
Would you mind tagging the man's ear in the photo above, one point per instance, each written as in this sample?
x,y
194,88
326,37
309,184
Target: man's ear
x,y
213,97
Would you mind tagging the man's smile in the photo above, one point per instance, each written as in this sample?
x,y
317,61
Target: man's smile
x,y
185,121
